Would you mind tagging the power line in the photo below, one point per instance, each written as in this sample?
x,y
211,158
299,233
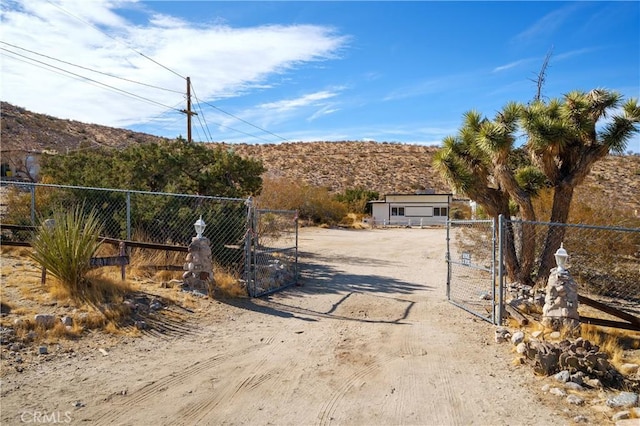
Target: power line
x,y
90,69
115,39
89,79
246,122
201,113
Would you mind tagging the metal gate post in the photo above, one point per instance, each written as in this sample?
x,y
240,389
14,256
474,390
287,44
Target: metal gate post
x,y
247,247
32,189
500,270
448,260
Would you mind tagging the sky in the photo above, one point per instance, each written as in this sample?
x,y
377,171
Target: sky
x,y
272,72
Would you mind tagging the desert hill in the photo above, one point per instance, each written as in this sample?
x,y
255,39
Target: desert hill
x,y
383,167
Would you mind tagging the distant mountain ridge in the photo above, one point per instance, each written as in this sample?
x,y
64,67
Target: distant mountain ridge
x,y
379,166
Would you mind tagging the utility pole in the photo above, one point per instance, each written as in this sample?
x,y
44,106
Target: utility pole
x,y
188,110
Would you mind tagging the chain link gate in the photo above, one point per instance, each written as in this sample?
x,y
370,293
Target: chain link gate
x,y
471,267
272,251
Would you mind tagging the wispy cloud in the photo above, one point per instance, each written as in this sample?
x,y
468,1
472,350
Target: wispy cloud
x,y
513,64
547,25
302,101
224,62
572,53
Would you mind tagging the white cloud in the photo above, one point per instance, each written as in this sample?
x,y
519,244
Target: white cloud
x,y
513,64
546,25
222,61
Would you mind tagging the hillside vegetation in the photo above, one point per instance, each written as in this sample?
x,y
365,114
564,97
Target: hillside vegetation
x,y
377,166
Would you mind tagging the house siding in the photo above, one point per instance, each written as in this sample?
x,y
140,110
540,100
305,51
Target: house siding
x,y
411,209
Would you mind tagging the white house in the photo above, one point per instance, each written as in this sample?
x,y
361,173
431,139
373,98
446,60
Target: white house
x,y
411,209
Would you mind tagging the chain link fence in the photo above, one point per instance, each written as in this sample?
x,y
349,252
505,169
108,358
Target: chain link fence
x,y
275,251
471,268
266,262
604,261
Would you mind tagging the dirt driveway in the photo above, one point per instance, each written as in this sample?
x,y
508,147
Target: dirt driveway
x,y
367,339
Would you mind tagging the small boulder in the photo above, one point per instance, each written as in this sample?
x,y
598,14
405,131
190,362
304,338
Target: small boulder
x,y
623,400
518,337
564,376
45,320
575,400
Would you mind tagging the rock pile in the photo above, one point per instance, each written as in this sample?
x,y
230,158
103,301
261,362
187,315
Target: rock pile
x,y
580,356
582,373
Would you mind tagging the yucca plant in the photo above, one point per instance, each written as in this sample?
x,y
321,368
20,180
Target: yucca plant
x,y
65,248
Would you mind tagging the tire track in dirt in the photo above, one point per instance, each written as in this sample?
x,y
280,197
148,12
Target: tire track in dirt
x,y
326,415
254,377
132,401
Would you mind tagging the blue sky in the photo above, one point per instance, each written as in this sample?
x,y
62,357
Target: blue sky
x,y
268,72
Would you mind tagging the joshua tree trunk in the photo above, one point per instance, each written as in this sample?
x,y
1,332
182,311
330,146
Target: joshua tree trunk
x,y
555,235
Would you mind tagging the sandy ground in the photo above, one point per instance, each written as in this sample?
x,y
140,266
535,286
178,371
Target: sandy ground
x,y
368,338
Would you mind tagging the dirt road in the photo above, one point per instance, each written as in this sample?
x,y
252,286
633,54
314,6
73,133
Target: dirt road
x,y
367,339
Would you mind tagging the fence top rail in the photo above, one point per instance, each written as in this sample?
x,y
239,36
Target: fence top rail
x,y
468,222
130,191
277,211
575,225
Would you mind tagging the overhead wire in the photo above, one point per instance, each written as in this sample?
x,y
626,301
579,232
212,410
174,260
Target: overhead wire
x,y
90,69
201,114
202,120
115,39
246,122
125,92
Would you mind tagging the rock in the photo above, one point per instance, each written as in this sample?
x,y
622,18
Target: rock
x,y
623,400
555,335
557,392
103,351
573,386
545,388
563,376
141,325
536,334
578,378
517,337
575,400
593,383
42,350
67,320
16,347
521,348
501,335
581,419
621,415
629,369
155,306
45,320
79,404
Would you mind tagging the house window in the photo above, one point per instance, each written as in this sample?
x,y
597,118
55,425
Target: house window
x,y
439,211
397,211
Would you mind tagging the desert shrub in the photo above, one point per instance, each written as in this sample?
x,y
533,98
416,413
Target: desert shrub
x,y
314,204
357,199
65,249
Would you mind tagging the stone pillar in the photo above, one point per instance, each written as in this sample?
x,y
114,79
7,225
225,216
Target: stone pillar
x,y
199,268
561,301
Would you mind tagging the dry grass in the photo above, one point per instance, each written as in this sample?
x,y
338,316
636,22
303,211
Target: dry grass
x,y
227,285
613,342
